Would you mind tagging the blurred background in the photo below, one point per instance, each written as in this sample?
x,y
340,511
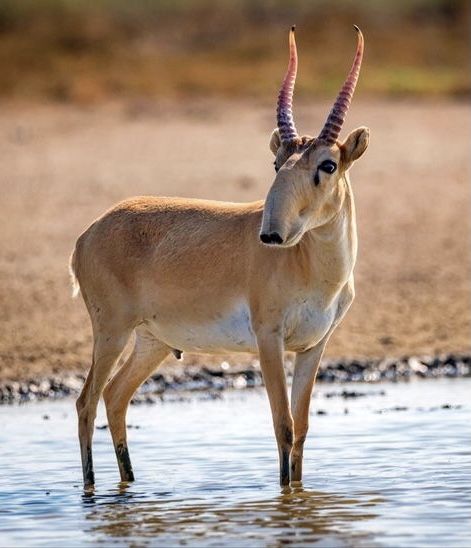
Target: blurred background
x,y
106,99
91,51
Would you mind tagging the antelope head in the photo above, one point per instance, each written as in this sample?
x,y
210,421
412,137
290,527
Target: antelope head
x,y
310,181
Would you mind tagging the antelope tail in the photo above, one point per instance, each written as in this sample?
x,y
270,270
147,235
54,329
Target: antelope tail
x,y
73,274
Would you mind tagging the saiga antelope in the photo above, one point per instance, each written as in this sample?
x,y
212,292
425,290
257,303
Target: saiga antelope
x,y
205,276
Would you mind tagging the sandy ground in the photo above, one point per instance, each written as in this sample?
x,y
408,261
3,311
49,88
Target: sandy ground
x,y
61,166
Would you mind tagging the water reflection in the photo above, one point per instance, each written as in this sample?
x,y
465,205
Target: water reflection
x,y
296,515
207,477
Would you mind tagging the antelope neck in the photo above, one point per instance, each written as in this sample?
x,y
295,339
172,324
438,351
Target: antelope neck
x,y
330,250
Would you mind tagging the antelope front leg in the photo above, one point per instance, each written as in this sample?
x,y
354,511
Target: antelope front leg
x,y
305,371
271,362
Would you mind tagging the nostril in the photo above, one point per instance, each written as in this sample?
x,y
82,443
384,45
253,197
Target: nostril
x,y
272,238
266,239
276,238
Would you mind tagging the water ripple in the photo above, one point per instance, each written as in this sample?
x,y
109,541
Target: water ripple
x,y
207,474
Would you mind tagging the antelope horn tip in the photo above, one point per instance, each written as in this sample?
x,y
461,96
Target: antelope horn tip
x,y
336,118
285,122
360,34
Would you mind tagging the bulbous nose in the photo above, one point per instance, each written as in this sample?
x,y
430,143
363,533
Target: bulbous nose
x,y
271,238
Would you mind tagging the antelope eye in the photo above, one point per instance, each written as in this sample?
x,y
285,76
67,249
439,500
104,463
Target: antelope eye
x,y
328,166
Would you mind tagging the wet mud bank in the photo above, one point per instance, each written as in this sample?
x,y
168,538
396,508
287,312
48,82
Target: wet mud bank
x,y
211,380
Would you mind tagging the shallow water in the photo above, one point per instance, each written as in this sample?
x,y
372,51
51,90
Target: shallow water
x,y
393,471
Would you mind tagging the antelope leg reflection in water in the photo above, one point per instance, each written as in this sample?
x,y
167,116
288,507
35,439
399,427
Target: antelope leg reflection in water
x,y
295,514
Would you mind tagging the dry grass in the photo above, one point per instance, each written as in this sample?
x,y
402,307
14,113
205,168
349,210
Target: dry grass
x,y
88,52
63,165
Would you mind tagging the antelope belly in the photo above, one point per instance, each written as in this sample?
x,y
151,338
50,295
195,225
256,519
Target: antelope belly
x,y
231,331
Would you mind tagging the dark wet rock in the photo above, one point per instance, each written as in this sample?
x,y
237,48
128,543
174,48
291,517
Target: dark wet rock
x,y
128,426
392,409
215,379
254,378
352,394
210,396
214,372
419,409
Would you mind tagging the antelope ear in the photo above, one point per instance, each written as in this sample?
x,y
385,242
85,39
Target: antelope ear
x,y
275,141
355,145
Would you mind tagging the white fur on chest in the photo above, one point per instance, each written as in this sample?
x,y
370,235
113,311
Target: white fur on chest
x,y
307,322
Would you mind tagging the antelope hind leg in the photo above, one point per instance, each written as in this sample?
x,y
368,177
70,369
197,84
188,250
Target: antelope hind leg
x,y
107,349
146,356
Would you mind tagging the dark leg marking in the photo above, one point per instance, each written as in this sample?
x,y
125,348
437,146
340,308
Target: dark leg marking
x,y
296,467
284,469
288,436
89,476
122,454
285,455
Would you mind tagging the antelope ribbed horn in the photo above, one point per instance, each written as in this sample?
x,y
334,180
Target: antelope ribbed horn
x,y
284,113
334,122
